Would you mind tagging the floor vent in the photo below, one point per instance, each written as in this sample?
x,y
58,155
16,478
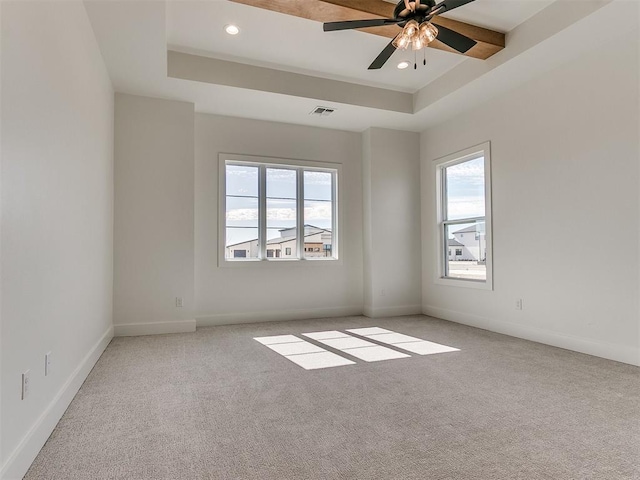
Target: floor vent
x,y
322,111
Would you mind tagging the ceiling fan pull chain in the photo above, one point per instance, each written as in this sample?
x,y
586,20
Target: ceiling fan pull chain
x,y
424,60
415,61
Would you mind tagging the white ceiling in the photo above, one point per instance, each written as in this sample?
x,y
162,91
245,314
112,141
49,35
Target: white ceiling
x,y
499,15
134,36
295,44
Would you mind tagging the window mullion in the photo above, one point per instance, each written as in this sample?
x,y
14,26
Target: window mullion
x,y
334,215
460,221
262,212
300,212
445,250
443,226
443,199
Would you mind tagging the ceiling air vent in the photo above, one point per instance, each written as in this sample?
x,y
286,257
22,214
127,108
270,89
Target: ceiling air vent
x,y
322,111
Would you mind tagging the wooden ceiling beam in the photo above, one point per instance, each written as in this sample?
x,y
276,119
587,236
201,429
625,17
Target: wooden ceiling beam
x,y
489,41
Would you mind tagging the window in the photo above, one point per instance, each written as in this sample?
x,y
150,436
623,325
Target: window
x,y
267,204
464,217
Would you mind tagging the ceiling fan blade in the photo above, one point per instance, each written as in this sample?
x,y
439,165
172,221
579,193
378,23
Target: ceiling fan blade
x,y
349,24
384,56
449,5
455,40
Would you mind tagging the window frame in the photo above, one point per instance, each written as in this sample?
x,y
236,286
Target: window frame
x,y
300,166
440,164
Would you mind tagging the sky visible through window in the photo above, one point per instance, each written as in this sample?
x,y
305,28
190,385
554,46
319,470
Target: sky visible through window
x,y
242,201
465,191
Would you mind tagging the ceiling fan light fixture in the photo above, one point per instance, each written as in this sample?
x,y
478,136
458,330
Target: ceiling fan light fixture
x,y
428,32
402,41
411,28
231,29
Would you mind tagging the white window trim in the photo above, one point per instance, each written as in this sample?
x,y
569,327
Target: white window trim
x,y
264,262
441,247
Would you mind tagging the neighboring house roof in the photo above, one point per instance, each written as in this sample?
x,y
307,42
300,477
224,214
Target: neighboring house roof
x,y
276,241
306,225
452,242
472,228
279,240
240,243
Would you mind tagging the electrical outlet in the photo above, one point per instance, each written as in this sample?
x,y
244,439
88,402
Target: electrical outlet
x,y
26,384
519,304
47,364
179,302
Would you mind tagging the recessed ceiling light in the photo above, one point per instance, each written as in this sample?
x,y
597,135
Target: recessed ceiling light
x,y
231,29
403,65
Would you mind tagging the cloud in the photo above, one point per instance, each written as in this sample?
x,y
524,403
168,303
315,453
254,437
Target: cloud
x,y
317,178
467,174
462,207
239,214
319,211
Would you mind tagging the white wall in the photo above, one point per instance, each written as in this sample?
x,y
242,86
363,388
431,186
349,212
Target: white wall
x,y
391,175
153,235
565,151
254,292
1,276
57,216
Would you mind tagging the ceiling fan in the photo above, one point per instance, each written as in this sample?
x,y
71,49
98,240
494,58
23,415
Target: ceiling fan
x,y
417,30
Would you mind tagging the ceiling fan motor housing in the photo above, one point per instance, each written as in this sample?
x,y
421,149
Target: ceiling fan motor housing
x,y
425,6
406,14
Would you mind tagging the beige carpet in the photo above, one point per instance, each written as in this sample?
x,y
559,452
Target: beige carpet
x,y
216,404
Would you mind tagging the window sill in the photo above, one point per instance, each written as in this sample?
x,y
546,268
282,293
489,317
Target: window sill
x,y
460,282
262,263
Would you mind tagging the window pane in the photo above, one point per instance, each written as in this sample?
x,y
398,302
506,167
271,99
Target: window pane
x,y
242,180
242,212
467,251
317,185
318,240
281,183
282,242
282,212
241,243
281,215
465,189
318,214
281,226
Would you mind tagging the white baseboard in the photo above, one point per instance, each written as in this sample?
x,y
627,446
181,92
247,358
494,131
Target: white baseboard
x,y
619,353
399,311
277,316
154,328
25,453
